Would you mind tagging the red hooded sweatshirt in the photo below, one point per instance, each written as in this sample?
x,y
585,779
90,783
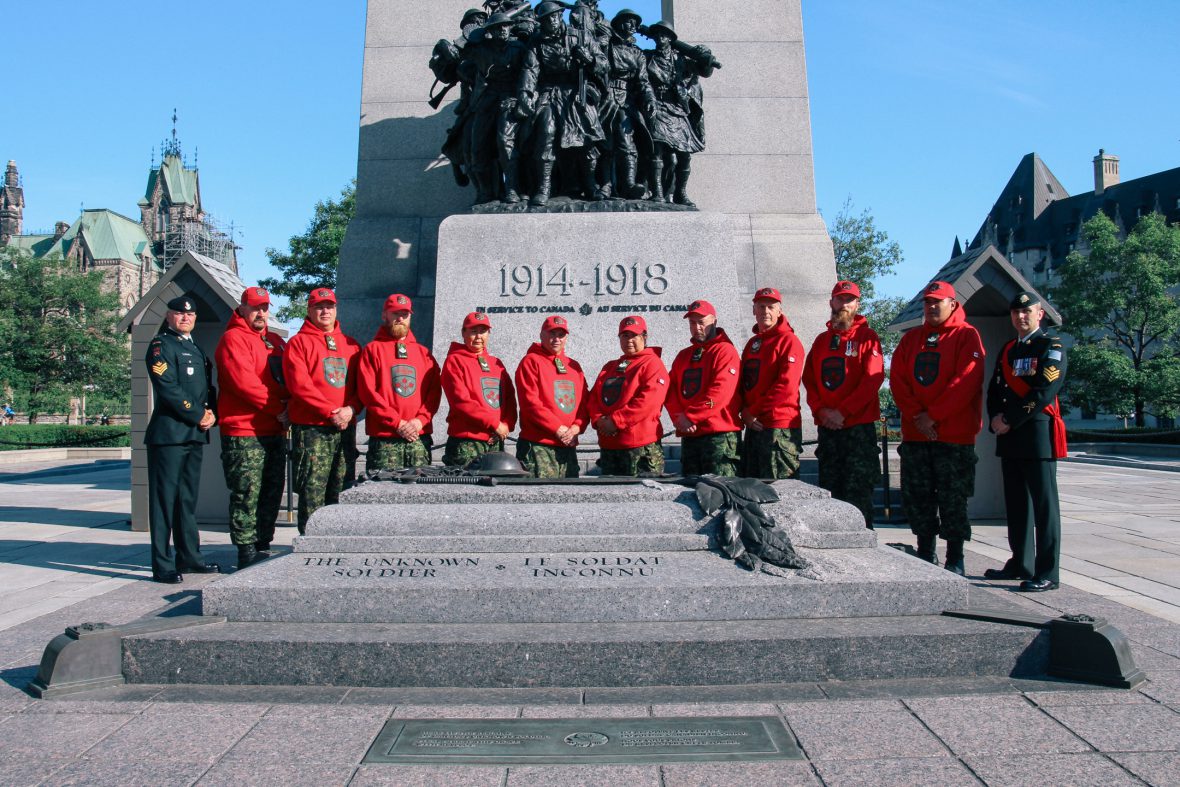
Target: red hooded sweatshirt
x,y
705,387
251,393
772,365
398,380
631,390
549,397
844,372
940,371
320,371
480,395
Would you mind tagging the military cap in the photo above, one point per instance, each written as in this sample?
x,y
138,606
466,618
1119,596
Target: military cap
x,y
700,309
184,303
470,13
768,294
320,295
1023,300
475,319
549,7
555,323
846,288
661,27
632,324
938,290
497,19
626,13
255,296
399,303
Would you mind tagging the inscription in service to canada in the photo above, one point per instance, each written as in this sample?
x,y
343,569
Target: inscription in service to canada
x,y
527,567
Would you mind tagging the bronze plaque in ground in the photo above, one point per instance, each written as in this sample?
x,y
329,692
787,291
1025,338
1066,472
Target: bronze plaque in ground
x,y
583,741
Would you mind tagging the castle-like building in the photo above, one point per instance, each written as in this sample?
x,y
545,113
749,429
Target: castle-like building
x,y
131,254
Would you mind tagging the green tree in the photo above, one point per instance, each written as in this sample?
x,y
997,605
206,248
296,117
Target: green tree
x,y
864,253
1118,302
313,257
57,334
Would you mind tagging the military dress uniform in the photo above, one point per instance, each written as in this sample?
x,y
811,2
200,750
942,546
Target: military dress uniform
x,y
1024,387
182,390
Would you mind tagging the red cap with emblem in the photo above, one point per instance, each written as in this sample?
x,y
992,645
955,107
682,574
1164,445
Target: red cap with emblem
x,y
475,319
700,309
319,295
768,294
938,290
846,288
632,324
399,303
555,323
255,297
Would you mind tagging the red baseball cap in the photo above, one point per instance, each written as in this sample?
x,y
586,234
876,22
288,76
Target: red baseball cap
x,y
255,296
476,318
319,295
700,309
846,288
768,294
555,322
938,290
399,302
632,324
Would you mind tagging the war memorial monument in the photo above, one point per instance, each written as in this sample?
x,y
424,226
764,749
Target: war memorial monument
x,y
499,583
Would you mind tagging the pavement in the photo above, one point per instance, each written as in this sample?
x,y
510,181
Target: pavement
x,y
67,556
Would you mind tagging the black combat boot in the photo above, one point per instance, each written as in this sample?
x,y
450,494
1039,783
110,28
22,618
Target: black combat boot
x,y
926,549
631,189
954,557
657,181
590,187
511,184
263,548
680,196
247,555
544,184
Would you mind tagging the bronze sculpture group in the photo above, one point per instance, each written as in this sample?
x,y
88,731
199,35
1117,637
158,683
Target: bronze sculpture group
x,y
574,109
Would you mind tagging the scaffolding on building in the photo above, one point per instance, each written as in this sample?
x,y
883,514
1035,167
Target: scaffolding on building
x,y
205,236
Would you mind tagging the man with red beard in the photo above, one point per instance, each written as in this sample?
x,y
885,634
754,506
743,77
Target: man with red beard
x,y
319,367
703,400
772,366
399,386
625,405
843,374
937,382
480,393
551,389
253,404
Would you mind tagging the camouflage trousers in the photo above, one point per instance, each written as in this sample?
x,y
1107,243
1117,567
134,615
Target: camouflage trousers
x,y
710,454
547,461
646,459
395,453
850,465
937,480
461,450
255,473
318,454
772,453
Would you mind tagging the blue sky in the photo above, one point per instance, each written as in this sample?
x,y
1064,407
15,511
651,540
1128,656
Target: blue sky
x,y
921,109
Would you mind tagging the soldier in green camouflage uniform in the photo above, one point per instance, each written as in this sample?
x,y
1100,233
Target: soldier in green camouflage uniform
x,y
460,452
320,467
712,453
773,450
255,471
546,461
396,453
937,471
850,465
645,460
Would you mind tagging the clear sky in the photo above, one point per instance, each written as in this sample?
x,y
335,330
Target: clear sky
x,y
921,109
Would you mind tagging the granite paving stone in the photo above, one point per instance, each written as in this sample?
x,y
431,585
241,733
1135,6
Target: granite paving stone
x,y
151,772
669,695
321,739
797,709
584,711
56,736
716,709
998,729
1049,699
14,703
456,712
228,710
852,736
416,695
253,695
932,771
377,713
185,736
764,774
561,775
1158,768
427,776
92,706
967,701
1163,688
1115,728
26,771
234,773
1076,770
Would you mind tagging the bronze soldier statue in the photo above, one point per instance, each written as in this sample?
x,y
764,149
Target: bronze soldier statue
x,y
629,99
445,62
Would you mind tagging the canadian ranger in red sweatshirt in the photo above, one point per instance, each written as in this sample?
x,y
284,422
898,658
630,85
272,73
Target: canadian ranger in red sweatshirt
x,y
551,391
772,366
398,382
843,374
625,404
937,381
253,409
703,400
480,394
319,367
